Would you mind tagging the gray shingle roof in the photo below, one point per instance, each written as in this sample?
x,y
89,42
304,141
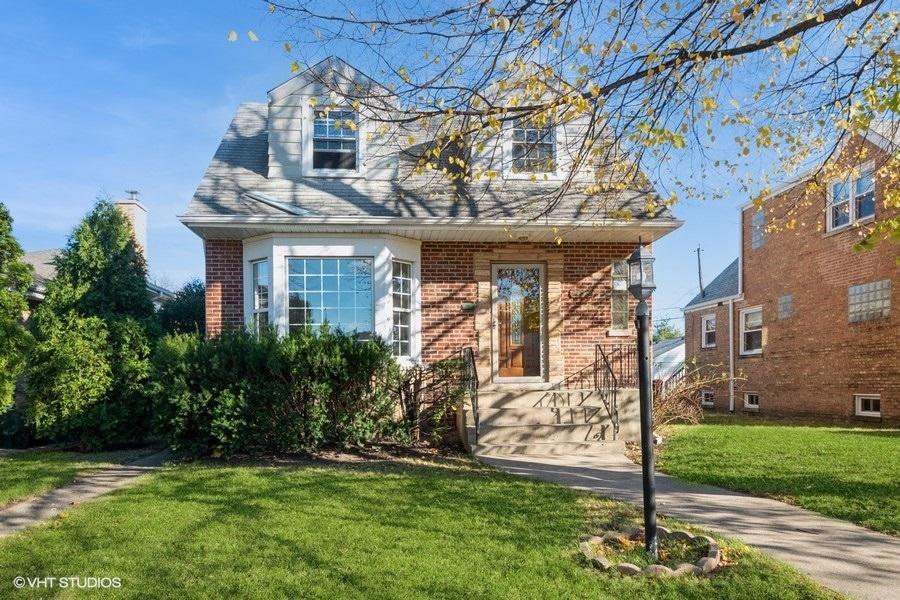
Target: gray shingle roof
x,y
239,170
724,285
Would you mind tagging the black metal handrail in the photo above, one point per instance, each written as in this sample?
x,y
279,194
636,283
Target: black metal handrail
x,y
607,385
470,382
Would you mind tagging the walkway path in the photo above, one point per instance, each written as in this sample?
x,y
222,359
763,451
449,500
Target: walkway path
x,y
29,512
844,557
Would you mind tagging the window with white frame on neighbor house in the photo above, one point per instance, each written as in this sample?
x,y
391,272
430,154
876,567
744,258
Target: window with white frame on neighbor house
x,y
533,147
851,200
751,331
707,398
336,291
260,278
868,301
335,136
757,229
868,405
401,288
708,326
620,295
751,400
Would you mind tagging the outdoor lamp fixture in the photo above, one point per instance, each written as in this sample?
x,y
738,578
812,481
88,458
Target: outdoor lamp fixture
x,y
641,286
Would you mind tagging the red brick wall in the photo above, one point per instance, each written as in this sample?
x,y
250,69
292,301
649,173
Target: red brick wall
x,y
714,360
448,280
815,361
224,284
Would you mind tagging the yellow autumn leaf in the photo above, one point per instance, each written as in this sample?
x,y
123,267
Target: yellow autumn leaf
x,y
252,35
232,36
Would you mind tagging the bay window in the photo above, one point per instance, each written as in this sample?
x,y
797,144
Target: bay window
x,y
401,292
260,274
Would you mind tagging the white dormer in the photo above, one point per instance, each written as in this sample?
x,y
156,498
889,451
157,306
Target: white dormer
x,y
313,132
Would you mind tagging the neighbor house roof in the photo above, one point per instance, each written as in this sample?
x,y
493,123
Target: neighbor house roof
x,y
668,357
724,286
44,264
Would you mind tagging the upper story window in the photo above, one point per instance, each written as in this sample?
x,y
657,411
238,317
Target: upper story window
x,y
785,306
757,229
533,147
708,323
869,301
751,331
851,200
335,137
401,289
260,276
337,291
620,295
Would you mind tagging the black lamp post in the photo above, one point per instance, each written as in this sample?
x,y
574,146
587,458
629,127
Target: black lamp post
x,y
641,286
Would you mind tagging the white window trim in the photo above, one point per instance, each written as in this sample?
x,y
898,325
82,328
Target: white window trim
x,y
253,311
703,321
857,401
829,200
507,155
744,351
395,309
286,276
306,143
747,405
703,402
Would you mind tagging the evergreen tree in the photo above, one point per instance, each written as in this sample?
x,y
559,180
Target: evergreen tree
x,y
186,312
15,277
88,372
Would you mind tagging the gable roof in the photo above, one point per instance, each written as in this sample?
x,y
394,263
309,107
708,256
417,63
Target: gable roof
x,y
724,286
236,184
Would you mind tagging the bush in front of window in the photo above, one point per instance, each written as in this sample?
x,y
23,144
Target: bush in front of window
x,y
247,393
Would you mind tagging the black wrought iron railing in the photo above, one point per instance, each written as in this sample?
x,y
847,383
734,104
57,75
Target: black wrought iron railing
x,y
606,383
470,382
622,359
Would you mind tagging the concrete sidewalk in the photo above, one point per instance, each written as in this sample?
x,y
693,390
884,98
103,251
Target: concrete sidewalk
x,y
30,512
844,557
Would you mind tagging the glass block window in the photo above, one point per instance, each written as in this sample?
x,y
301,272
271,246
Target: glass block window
x,y
785,306
620,295
868,405
852,199
401,289
532,147
751,331
334,140
751,400
709,331
869,301
757,229
260,277
337,291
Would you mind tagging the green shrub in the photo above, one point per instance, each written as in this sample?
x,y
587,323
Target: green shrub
x,y
15,277
242,393
88,371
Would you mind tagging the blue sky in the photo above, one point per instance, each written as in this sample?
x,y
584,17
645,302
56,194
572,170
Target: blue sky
x,y
102,96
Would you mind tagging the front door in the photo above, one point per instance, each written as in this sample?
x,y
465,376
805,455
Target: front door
x,y
518,318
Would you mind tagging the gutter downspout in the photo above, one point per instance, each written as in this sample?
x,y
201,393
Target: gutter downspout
x,y
731,355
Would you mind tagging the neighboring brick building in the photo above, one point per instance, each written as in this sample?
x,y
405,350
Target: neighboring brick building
x,y
806,325
306,219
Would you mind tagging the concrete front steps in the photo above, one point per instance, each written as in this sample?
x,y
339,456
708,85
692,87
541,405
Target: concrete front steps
x,y
540,422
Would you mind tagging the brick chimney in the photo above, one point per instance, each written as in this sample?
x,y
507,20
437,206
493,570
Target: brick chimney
x,y
136,214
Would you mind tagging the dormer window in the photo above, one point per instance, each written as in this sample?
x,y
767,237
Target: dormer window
x,y
533,147
335,136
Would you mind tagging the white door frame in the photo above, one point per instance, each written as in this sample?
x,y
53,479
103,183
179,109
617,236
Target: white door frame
x,y
495,325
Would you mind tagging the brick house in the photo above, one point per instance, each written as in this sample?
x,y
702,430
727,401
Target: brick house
x,y
306,219
803,324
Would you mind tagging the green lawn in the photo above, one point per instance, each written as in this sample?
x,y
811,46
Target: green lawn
x,y
442,528
847,473
30,473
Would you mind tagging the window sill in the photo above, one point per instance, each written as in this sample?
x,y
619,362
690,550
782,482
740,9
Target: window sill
x,y
707,405
713,347
619,333
754,409
871,417
853,225
334,174
527,176
750,354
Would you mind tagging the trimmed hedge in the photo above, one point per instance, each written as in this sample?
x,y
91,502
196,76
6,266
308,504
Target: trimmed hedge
x,y
243,393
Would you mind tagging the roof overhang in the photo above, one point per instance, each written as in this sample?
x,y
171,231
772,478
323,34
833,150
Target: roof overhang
x,y
711,303
434,228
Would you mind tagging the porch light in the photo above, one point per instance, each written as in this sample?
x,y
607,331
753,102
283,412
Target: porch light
x,y
640,273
